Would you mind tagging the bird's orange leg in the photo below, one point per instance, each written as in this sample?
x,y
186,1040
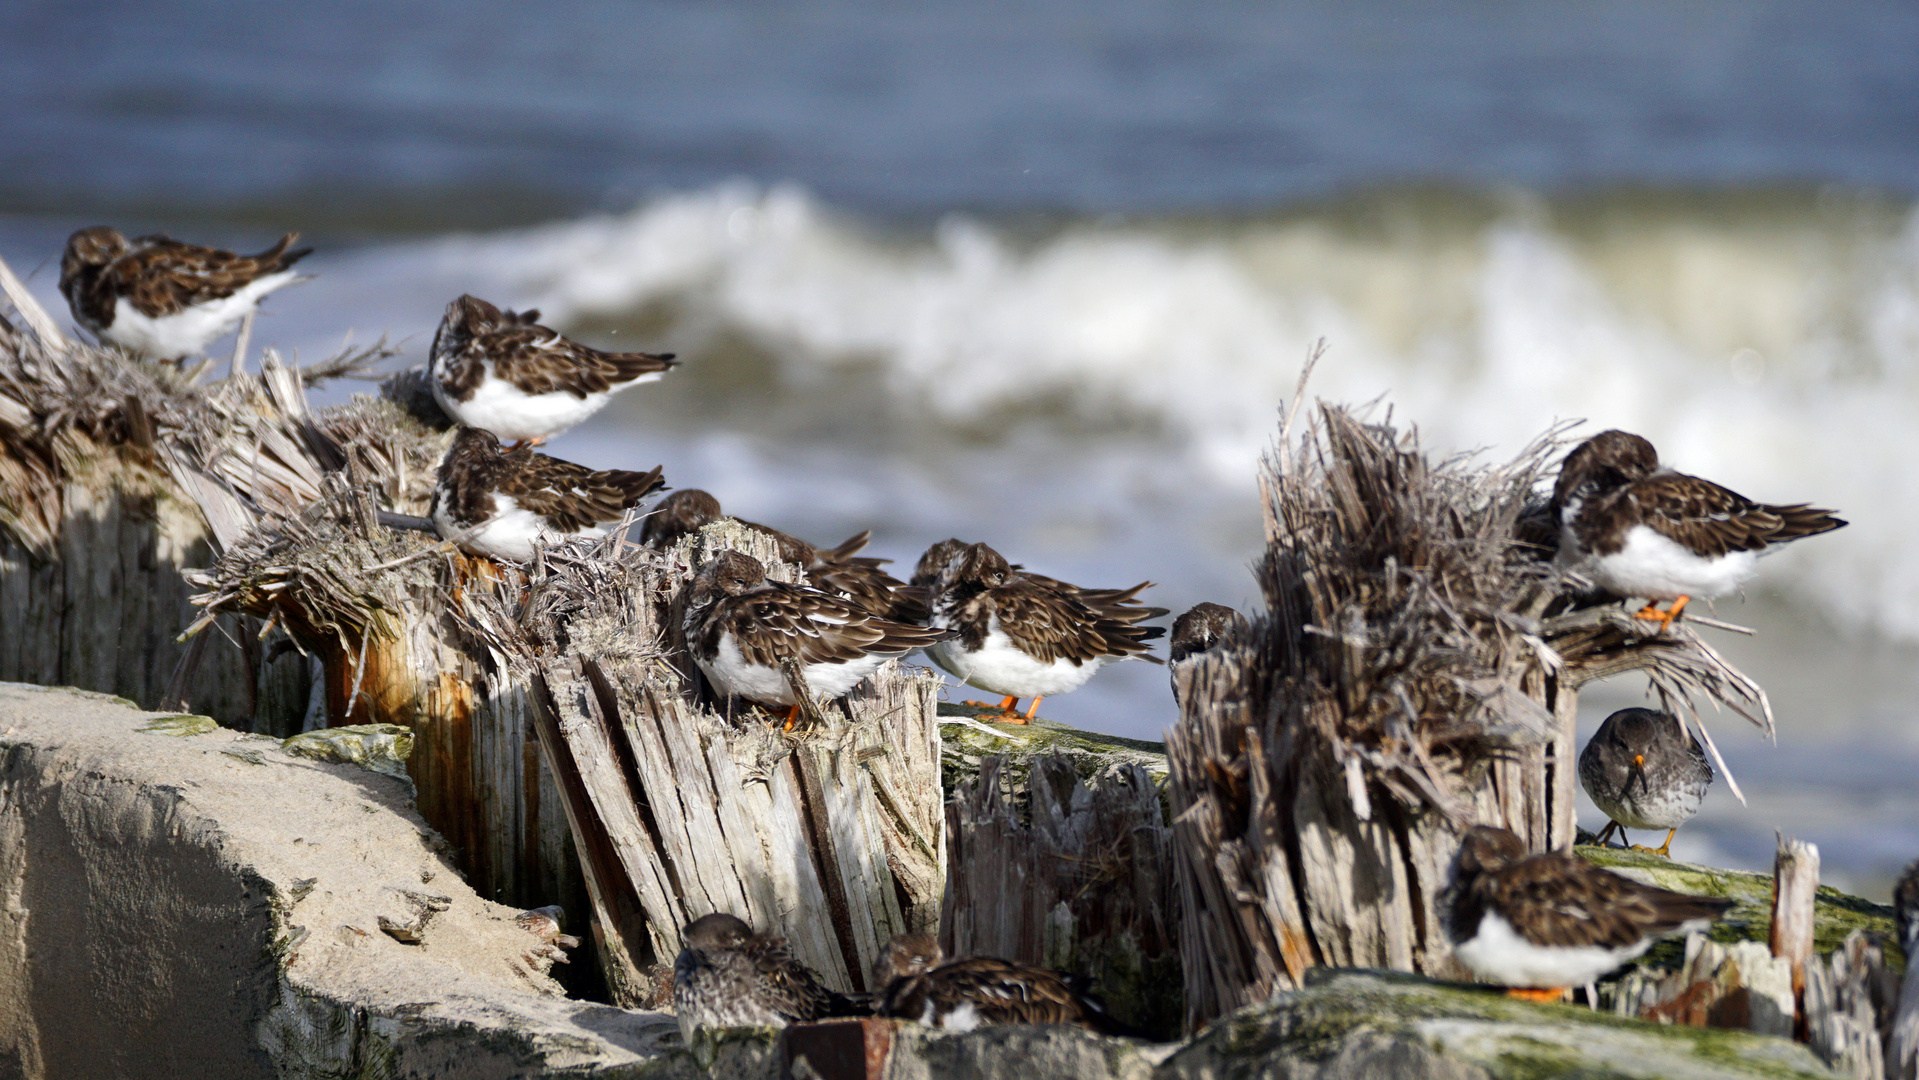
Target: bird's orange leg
x,y
1545,996
1032,710
1651,613
1005,704
1664,850
792,717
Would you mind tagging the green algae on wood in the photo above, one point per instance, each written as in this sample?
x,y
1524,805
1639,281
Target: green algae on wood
x,y
179,725
1835,913
383,748
1354,1023
966,738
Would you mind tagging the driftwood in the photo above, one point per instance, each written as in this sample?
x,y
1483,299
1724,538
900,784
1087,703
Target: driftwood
x,y
1072,875
1416,669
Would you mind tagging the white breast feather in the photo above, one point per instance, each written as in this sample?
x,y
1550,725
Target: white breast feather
x,y
188,332
1652,566
512,532
998,666
1498,952
513,415
732,673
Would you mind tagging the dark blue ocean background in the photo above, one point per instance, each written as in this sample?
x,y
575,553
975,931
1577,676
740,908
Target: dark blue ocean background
x,y
1043,273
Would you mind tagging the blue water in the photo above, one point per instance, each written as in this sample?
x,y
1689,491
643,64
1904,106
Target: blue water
x,y
518,110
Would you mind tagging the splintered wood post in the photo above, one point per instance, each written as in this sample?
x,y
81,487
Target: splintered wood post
x,y
1415,671
95,533
831,837
1795,885
1902,1031
1080,882
294,498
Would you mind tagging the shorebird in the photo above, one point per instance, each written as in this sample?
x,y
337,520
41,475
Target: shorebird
x,y
504,372
1638,529
1200,628
728,976
161,298
1023,635
1644,771
501,503
755,638
1538,924
839,569
916,983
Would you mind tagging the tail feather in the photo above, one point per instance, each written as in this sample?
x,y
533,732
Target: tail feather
x,y
278,258
1803,520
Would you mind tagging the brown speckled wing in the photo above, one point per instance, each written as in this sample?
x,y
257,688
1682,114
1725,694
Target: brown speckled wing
x,y
783,621
1561,899
538,360
1000,991
1715,521
569,496
790,988
163,277
1051,623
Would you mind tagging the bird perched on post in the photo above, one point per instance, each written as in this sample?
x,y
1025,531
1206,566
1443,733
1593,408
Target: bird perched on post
x,y
839,569
162,298
501,503
1023,635
502,371
728,976
1538,924
1644,770
1636,528
756,638
916,982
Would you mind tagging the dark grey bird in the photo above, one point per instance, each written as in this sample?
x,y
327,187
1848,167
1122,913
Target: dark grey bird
x,y
729,976
1644,771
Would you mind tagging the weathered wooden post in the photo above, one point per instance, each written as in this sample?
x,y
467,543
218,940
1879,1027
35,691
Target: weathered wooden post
x,y
1416,669
95,531
683,806
1076,876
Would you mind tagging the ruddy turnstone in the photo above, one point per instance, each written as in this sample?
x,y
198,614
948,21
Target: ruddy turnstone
x,y
162,298
1201,628
514,499
1644,771
503,371
917,983
729,976
1538,924
1636,528
745,632
1025,635
839,569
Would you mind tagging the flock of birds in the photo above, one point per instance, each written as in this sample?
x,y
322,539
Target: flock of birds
x,y
1533,922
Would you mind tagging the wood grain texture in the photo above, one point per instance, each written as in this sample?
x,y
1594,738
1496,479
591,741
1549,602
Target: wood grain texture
x,y
1071,875
1414,671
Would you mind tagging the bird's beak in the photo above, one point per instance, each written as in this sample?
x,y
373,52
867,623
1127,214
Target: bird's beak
x,y
1637,771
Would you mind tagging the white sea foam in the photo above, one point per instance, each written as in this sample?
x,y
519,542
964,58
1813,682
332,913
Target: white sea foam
x,y
1776,353
1773,348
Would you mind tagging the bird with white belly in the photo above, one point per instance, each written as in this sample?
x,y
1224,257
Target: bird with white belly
x,y
1022,635
1638,529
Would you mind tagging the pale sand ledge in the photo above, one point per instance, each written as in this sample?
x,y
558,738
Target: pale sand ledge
x,y
150,926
